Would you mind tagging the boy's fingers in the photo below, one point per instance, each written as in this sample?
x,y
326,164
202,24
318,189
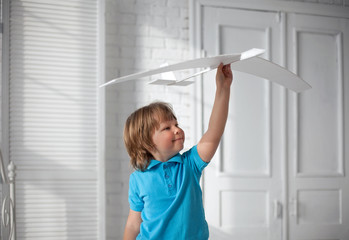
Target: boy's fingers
x,y
220,67
226,69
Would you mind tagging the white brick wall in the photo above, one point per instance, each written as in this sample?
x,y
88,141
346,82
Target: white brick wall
x,y
141,34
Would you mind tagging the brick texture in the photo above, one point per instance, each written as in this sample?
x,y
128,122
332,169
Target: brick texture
x,y
140,35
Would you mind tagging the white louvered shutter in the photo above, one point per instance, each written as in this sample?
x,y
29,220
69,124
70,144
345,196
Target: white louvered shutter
x,y
53,117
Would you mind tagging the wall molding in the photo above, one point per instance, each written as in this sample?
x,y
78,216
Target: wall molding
x,y
280,6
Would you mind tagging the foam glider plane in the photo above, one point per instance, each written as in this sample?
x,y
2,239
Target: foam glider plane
x,y
247,62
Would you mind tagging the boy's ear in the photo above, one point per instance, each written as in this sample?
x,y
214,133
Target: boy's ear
x,y
151,148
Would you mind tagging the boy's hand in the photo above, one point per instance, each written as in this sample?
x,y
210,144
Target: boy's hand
x,y
224,76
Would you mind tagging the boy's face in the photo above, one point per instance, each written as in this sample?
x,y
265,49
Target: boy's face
x,y
168,140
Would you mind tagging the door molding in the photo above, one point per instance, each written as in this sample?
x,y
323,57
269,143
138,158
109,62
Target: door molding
x,y
195,7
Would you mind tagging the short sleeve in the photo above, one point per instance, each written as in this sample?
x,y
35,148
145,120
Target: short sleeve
x,y
195,161
134,199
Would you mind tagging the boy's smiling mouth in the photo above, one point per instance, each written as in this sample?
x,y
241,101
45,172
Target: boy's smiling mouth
x,y
177,139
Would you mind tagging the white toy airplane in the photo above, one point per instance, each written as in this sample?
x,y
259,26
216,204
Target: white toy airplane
x,y
247,62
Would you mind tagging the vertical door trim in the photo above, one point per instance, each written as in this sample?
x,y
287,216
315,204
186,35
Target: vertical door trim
x,y
101,123
5,81
8,190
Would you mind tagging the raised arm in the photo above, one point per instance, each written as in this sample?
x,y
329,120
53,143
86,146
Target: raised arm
x,y
209,142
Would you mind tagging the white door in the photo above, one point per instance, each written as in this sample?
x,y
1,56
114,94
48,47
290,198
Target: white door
x,y
242,185
319,128
280,150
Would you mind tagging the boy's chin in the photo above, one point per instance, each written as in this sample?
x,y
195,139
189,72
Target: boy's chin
x,y
182,147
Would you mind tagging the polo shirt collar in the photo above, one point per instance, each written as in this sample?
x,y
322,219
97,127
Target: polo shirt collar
x,y
176,158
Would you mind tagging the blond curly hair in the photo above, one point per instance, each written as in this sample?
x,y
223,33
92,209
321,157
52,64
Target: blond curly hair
x,y
139,130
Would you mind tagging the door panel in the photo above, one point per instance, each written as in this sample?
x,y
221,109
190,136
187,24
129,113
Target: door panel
x,y
318,180
243,181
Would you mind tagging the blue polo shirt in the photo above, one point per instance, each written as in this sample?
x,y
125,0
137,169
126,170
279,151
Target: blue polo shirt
x,y
169,196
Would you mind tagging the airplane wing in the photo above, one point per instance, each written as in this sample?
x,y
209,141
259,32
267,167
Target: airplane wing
x,y
209,62
258,67
273,72
246,62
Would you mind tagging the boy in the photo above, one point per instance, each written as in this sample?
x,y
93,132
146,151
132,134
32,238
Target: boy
x,y
165,195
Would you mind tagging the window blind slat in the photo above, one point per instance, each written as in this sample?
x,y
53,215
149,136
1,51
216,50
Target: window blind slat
x,y
53,117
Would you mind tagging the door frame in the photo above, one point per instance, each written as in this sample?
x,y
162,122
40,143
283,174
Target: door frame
x,y
4,147
196,48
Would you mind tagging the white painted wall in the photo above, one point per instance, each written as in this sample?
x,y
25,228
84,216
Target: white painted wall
x,y
142,34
